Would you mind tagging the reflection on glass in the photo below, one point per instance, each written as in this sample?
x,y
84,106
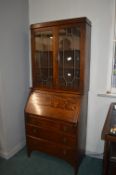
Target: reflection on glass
x,y
43,58
69,57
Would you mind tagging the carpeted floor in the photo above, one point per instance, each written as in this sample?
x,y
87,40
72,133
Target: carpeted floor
x,y
42,164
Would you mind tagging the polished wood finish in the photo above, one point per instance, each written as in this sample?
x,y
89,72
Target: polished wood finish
x,y
61,22
52,118
110,142
56,109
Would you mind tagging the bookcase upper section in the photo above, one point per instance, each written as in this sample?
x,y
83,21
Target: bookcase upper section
x,y
61,55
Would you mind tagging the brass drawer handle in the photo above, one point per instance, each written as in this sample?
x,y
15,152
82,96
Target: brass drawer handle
x,y
34,130
64,152
65,128
64,140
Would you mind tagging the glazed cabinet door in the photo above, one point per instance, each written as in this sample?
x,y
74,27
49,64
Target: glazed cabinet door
x,y
69,57
42,58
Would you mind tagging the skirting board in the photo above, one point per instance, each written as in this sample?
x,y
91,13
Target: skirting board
x,y
8,155
94,155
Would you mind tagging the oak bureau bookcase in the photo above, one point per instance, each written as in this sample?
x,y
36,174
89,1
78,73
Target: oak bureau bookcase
x,y
56,109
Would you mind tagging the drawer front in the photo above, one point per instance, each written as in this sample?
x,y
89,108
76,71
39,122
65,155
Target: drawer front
x,y
53,125
51,148
57,137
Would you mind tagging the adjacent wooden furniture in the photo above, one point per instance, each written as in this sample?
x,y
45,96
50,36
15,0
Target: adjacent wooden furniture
x,y
56,110
109,136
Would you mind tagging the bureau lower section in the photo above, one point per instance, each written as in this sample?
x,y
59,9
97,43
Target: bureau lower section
x,y
55,124
53,137
65,152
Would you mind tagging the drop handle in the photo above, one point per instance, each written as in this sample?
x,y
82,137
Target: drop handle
x,y
64,140
34,130
65,128
64,152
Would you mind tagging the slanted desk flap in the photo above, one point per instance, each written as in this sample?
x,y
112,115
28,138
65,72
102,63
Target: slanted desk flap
x,y
109,122
61,106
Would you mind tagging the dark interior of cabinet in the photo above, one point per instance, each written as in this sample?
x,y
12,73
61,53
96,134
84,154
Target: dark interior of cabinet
x,y
69,68
68,72
44,68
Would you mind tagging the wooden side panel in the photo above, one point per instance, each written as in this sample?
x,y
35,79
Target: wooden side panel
x,y
82,128
85,57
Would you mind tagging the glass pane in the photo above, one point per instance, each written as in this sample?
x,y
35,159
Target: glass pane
x,y
69,57
43,58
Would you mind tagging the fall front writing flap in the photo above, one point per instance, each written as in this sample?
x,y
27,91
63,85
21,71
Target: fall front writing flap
x,y
56,105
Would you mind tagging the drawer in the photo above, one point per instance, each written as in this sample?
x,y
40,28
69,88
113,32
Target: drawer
x,y
57,136
52,124
64,152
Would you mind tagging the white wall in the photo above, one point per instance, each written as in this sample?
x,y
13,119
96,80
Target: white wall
x,y
101,15
14,74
